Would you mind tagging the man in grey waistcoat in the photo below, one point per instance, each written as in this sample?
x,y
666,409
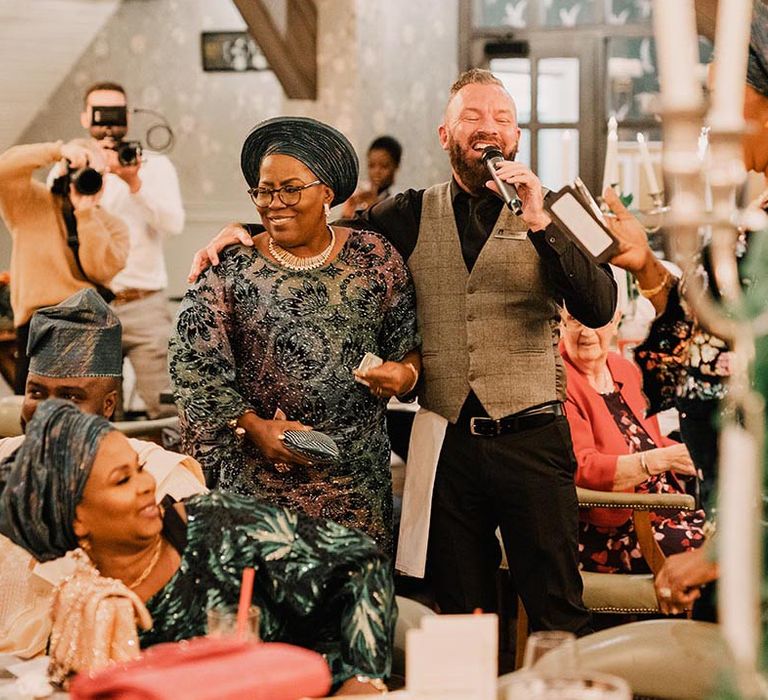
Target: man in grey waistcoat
x,y
487,288
488,284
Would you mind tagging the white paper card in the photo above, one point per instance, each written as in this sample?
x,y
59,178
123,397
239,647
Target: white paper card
x,y
453,656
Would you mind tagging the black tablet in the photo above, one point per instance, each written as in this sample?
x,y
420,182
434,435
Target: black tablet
x,y
573,216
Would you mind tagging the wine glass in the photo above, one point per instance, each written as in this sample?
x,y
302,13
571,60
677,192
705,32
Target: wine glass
x,y
560,645
588,685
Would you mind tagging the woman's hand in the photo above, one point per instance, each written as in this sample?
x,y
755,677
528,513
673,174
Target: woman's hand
x,y
634,251
677,584
268,436
232,233
390,379
353,686
674,458
360,200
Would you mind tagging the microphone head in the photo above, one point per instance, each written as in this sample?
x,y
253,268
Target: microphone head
x,y
492,152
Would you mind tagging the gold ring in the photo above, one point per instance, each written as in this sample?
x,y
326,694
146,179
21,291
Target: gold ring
x,y
665,593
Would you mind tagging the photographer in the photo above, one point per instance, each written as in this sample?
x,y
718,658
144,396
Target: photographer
x,y
44,267
144,193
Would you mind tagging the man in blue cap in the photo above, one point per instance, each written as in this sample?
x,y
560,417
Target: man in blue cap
x,y
75,354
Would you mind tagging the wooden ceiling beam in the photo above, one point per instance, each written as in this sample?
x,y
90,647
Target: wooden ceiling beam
x,y
294,58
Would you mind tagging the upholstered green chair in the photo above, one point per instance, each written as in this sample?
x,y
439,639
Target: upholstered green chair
x,y
146,429
629,594
664,659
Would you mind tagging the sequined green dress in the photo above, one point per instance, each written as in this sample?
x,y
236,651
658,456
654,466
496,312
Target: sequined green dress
x,y
319,585
252,335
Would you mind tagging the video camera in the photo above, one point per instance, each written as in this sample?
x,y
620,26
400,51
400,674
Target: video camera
x,y
114,122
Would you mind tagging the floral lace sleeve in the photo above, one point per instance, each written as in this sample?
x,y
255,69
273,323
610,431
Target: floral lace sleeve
x,y
203,372
663,356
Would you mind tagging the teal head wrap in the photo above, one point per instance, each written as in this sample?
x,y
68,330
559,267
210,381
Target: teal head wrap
x,y
44,479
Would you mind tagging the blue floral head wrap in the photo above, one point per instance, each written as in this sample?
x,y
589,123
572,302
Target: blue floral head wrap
x,y
44,479
323,149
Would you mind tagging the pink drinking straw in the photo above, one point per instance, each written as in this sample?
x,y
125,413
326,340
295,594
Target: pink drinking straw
x,y
246,594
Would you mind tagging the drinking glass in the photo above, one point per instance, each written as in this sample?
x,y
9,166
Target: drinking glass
x,y
587,685
222,622
564,660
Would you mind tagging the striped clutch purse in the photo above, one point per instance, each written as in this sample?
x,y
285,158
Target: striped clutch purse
x,y
313,445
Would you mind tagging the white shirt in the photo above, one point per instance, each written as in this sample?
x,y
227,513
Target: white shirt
x,y
154,212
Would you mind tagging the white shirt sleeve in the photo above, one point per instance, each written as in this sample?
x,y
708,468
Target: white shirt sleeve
x,y
159,198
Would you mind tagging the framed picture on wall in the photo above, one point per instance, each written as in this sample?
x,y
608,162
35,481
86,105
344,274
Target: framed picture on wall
x,y
231,51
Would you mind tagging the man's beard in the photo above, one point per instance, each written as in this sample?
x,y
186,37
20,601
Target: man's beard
x,y
116,133
472,172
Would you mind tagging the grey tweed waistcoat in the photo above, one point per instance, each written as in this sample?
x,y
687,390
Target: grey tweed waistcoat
x,y
494,330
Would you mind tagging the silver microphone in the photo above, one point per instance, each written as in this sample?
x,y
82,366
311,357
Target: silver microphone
x,y
491,156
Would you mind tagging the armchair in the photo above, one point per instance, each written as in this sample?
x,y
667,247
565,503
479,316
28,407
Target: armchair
x,y
630,594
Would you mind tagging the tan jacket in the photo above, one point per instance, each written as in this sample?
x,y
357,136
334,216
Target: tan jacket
x,y
43,268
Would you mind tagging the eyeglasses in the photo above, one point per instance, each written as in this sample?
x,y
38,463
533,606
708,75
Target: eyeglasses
x,y
290,195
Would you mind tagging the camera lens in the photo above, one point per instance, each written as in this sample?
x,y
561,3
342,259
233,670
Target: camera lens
x,y
87,181
128,153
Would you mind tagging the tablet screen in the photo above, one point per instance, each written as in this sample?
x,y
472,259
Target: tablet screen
x,y
591,235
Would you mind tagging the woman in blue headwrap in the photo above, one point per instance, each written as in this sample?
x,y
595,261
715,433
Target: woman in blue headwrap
x,y
76,482
268,340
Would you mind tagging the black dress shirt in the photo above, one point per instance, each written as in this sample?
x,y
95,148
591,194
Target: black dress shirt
x,y
588,290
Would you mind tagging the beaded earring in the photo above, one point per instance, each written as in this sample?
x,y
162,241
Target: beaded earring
x,y
327,208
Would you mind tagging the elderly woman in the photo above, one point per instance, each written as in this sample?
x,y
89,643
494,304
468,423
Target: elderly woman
x,y
76,482
269,340
617,449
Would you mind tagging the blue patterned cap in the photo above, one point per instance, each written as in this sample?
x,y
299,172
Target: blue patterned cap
x,y
80,337
323,149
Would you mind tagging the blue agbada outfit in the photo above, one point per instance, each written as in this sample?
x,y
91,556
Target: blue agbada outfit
x,y
319,585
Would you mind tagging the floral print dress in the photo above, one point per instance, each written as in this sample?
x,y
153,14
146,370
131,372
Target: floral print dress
x,y
611,550
319,585
252,335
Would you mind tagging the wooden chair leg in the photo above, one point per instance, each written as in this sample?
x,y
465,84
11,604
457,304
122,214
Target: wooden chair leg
x,y
521,634
649,547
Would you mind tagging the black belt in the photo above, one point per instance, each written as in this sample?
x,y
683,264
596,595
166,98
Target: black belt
x,y
533,417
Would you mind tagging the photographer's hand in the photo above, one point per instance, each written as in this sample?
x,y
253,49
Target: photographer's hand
x,y
77,155
127,173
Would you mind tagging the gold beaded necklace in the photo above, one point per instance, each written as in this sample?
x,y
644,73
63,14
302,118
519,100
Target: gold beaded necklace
x,y
299,264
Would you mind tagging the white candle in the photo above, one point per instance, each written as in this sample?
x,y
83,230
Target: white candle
x,y
730,66
677,50
611,167
645,161
738,544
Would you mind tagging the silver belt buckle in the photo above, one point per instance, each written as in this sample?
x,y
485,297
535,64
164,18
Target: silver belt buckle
x,y
473,431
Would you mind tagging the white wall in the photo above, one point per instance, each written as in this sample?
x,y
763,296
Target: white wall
x,y
384,67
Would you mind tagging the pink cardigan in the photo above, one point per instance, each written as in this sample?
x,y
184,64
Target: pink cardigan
x,y
597,440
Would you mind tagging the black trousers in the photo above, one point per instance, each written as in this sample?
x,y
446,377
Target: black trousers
x,y
22,361
700,432
522,483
